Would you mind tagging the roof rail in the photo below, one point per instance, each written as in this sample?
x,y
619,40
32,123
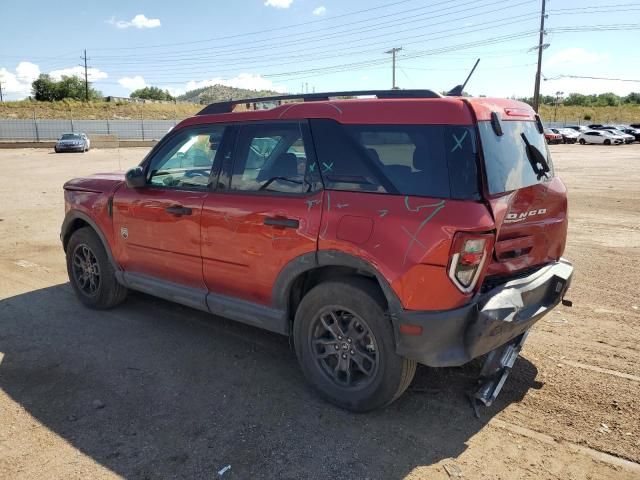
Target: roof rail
x,y
227,107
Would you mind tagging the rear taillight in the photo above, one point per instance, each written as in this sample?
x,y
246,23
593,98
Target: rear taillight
x,y
468,256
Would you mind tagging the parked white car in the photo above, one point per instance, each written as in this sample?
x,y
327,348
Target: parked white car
x,y
602,137
628,138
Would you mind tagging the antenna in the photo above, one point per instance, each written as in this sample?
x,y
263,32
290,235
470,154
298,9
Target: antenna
x,y
458,89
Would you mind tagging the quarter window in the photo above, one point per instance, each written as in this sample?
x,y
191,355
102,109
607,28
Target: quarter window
x,y
418,160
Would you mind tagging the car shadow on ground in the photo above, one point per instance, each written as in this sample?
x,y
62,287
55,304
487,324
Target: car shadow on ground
x,y
156,390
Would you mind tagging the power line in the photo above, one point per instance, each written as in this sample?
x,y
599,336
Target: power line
x,y
306,38
286,27
408,40
593,78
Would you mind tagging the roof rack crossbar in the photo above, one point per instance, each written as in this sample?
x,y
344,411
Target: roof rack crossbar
x,y
227,106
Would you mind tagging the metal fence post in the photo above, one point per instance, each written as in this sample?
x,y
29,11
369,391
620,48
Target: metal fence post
x,y
35,124
142,122
108,131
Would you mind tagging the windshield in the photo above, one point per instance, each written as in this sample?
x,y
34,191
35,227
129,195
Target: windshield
x,y
506,158
70,136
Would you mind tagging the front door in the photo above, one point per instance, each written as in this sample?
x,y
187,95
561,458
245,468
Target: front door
x,y
268,213
157,227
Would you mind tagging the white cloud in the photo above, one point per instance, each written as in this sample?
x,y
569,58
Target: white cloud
x,y
18,82
278,3
132,83
320,11
92,73
244,80
575,56
139,21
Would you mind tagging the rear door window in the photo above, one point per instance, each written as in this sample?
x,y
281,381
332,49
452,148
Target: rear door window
x,y
416,160
506,160
273,158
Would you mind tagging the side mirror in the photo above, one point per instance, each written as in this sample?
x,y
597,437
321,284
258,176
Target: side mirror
x,y
135,178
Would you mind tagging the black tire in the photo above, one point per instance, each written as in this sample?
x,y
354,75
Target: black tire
x,y
356,304
55,149
607,142
91,274
582,141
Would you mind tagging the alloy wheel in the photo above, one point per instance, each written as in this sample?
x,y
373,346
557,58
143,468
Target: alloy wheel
x,y
86,271
344,348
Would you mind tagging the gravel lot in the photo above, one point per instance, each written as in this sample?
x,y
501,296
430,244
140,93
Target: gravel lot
x,y
156,390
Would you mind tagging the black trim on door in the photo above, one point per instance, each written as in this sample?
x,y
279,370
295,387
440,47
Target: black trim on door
x,y
272,319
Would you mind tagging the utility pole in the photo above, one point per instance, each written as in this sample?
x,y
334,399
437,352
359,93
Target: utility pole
x,y
1,99
536,90
393,52
86,78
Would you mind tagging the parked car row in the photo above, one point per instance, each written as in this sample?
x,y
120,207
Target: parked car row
x,y
598,134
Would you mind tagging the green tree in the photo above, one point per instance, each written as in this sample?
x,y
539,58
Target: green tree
x,y
608,100
577,99
45,89
633,97
152,93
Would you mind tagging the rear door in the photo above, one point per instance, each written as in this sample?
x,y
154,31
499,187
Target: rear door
x,y
265,212
157,227
529,207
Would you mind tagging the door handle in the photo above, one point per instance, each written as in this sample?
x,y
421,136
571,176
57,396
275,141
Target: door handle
x,y
282,222
178,210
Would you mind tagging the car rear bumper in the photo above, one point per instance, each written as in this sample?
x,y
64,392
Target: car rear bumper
x,y
454,337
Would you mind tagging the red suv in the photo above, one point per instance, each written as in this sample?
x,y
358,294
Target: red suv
x,y
378,232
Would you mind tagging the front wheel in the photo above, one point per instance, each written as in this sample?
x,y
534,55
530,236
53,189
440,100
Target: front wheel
x,y
582,141
90,272
344,343
607,142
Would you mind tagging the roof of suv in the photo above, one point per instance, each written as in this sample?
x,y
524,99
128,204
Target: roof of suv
x,y
412,108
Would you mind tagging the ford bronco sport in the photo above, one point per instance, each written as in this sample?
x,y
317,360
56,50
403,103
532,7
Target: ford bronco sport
x,y
378,232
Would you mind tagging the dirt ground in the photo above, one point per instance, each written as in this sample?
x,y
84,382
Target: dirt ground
x,y
156,390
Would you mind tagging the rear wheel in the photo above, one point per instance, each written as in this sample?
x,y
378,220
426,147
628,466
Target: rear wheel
x,y
90,272
344,343
607,142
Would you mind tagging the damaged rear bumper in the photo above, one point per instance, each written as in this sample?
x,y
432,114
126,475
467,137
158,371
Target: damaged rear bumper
x,y
454,337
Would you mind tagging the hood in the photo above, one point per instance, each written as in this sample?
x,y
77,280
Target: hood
x,y
98,182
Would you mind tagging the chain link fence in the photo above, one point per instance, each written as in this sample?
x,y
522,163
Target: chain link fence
x,y
36,130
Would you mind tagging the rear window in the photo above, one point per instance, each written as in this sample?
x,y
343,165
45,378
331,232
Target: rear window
x,y
416,160
506,161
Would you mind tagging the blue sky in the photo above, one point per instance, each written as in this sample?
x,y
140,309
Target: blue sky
x,y
290,45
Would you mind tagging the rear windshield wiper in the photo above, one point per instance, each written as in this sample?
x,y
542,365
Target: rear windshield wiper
x,y
536,158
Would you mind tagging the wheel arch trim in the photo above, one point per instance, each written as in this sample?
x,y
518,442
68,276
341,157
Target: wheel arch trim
x,y
65,233
281,290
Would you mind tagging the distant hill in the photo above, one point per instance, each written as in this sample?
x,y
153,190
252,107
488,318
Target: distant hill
x,y
218,93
